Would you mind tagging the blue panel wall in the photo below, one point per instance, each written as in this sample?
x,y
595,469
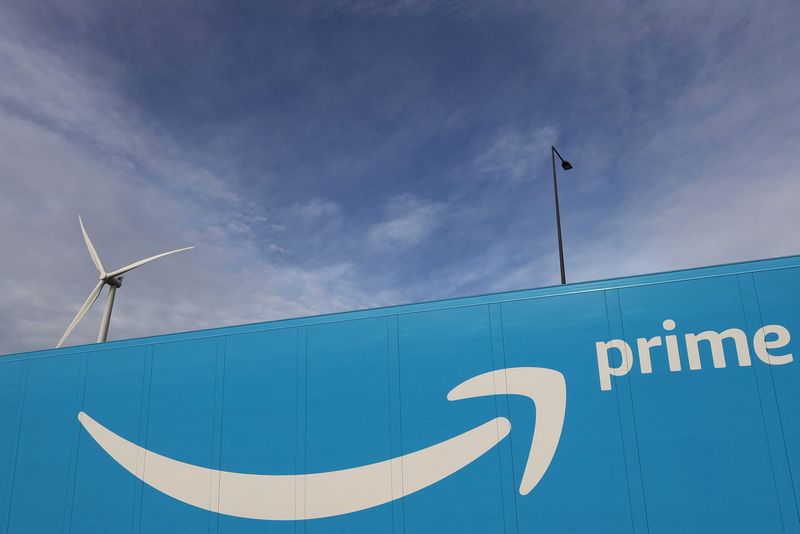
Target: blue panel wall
x,y
105,495
779,303
555,332
347,410
439,350
715,449
12,390
45,455
260,403
180,425
686,420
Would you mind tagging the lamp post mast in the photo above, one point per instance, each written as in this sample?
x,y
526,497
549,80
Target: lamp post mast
x,y
566,165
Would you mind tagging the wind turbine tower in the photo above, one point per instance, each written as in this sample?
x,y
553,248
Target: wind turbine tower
x,y
113,280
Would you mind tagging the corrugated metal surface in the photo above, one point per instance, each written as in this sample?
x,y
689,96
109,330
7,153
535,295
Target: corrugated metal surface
x,y
689,450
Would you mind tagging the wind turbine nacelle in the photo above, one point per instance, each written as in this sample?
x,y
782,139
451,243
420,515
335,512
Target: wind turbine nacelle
x,y
115,282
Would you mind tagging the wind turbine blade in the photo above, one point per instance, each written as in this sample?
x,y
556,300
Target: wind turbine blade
x,y
142,262
92,251
78,316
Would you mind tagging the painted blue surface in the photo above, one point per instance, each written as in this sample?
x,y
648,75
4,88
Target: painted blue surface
x,y
687,421
180,425
105,495
556,332
260,402
716,449
350,428
438,350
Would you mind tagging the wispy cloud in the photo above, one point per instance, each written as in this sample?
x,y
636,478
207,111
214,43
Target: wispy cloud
x,y
70,149
516,156
318,210
361,154
409,221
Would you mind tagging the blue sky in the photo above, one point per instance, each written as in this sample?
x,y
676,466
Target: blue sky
x,y
338,155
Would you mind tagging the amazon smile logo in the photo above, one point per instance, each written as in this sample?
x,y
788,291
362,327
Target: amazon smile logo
x,y
332,493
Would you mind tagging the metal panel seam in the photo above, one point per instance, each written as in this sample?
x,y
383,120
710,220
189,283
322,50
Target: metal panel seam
x,y
761,400
778,407
633,418
76,447
15,454
216,433
510,441
144,422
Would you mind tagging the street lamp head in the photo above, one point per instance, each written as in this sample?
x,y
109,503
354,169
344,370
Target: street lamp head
x,y
566,165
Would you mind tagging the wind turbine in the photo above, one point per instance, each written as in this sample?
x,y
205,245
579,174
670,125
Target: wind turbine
x,y
113,280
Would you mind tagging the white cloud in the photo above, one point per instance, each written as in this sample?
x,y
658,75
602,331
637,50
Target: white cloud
x,y
69,147
516,156
409,221
709,175
719,178
699,224
317,208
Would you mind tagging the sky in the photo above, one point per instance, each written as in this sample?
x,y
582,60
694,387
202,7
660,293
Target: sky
x,y
329,156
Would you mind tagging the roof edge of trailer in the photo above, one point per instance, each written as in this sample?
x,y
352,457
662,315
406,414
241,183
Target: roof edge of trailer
x,y
692,273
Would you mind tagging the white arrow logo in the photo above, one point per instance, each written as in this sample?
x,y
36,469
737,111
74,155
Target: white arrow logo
x,y
316,495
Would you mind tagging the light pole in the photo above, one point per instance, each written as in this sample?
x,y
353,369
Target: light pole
x,y
566,165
